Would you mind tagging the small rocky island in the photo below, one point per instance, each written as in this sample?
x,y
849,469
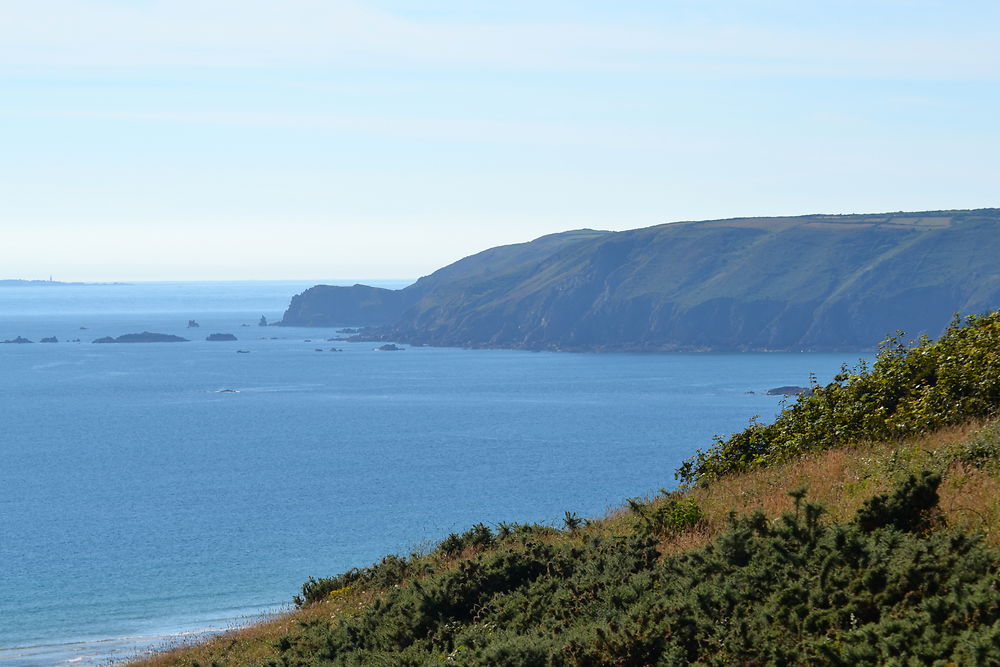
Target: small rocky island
x,y
50,339
19,340
144,337
221,337
192,324
389,347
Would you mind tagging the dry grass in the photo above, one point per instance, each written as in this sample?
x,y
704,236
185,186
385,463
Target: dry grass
x,y
969,500
841,480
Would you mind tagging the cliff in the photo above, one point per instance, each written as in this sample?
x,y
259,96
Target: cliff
x,y
331,305
814,282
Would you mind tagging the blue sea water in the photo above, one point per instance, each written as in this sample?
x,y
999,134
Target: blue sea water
x,y
141,504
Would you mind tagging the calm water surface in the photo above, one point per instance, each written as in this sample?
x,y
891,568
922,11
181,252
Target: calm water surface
x,y
138,503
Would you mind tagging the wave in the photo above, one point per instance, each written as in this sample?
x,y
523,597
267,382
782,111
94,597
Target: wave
x,y
98,652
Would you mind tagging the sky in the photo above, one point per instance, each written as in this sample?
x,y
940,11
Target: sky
x,y
329,139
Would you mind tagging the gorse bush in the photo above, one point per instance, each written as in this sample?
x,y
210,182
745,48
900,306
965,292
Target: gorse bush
x,y
387,572
393,569
880,589
911,388
673,515
676,515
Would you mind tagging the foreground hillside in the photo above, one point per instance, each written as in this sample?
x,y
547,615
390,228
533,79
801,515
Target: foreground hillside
x,y
856,546
813,282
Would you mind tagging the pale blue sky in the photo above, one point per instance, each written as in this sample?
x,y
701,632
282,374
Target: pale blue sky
x,y
225,139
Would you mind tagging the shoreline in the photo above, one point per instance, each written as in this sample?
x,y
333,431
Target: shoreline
x,y
124,649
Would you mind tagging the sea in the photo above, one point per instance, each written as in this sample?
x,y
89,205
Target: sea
x,y
152,494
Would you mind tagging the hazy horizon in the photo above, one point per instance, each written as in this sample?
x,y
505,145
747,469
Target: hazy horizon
x,y
233,140
70,280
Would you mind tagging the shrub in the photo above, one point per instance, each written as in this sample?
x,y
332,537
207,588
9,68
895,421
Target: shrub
x,y
674,514
480,536
981,449
572,522
677,515
906,508
911,388
387,572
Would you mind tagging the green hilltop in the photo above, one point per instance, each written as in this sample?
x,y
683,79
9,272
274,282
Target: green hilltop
x,y
816,282
860,529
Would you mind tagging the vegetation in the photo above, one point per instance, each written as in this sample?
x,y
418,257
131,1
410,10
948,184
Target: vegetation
x,y
792,591
869,534
912,388
912,556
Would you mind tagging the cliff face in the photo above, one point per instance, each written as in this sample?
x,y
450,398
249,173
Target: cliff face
x,y
329,305
810,282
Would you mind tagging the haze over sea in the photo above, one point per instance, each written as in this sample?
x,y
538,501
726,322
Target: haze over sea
x,y
138,503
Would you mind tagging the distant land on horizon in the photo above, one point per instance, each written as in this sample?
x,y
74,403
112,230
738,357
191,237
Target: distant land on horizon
x,y
17,282
812,282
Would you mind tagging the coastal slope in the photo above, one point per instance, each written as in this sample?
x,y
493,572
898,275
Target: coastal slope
x,y
861,528
816,282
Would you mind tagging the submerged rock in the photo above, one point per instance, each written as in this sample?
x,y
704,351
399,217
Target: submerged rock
x,y
789,390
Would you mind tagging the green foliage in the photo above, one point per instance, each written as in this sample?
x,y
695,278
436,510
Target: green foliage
x,y
876,590
478,537
673,515
677,515
981,450
389,571
392,569
911,388
906,508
